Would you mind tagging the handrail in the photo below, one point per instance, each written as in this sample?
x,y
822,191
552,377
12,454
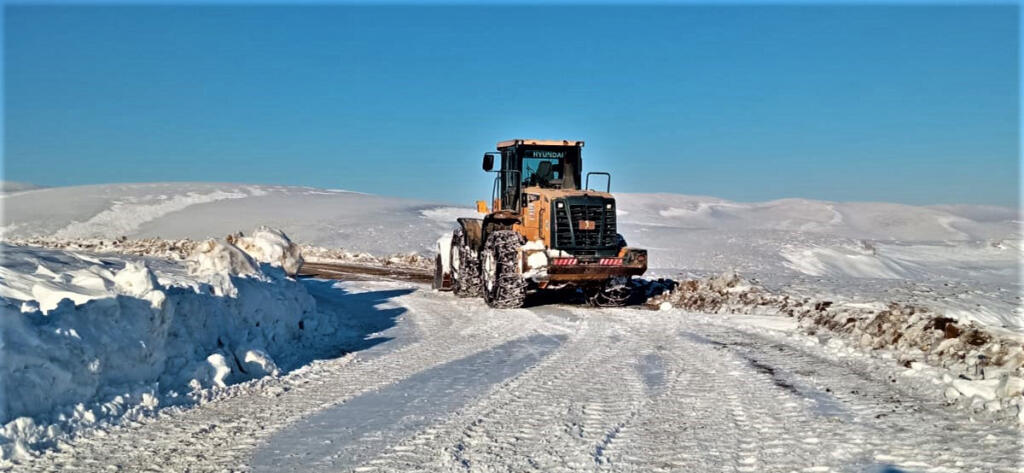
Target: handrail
x,y
495,190
608,187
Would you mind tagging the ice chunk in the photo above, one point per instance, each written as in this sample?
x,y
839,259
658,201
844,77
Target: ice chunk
x,y
983,388
272,246
258,363
214,257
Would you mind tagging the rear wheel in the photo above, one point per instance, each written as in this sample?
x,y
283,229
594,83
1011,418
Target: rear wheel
x,y
465,268
504,286
615,292
438,274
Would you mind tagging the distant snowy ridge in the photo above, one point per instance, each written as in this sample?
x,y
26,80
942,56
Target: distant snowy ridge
x,y
139,210
862,220
787,236
15,186
322,217
126,216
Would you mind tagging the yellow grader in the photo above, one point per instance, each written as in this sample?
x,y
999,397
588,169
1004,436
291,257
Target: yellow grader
x,y
546,229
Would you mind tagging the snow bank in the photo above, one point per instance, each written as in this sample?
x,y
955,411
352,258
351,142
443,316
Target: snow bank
x,y
292,255
984,367
158,247
85,340
411,260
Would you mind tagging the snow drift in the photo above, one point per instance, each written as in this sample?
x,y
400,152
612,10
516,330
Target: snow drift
x,y
83,339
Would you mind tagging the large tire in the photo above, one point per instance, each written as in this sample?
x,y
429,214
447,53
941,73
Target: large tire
x,y
465,267
504,286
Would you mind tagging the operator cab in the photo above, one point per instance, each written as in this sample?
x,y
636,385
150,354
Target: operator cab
x,y
549,164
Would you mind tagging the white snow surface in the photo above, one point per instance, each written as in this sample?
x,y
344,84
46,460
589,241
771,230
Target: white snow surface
x,y
90,340
859,248
452,383
86,340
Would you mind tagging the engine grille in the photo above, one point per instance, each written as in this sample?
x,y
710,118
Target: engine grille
x,y
570,236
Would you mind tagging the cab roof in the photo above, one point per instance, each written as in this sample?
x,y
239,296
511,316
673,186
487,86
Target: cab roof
x,y
529,141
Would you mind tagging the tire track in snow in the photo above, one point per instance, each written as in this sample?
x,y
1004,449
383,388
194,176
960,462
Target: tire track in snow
x,y
341,436
557,416
831,416
726,400
224,433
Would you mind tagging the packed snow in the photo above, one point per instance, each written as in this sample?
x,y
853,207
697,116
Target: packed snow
x,y
984,368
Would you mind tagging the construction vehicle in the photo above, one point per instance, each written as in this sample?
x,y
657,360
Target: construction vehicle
x,y
546,229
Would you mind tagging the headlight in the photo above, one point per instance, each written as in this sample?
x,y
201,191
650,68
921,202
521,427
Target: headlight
x,y
560,205
608,206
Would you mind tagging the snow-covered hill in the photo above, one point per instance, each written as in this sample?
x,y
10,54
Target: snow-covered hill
x,y
790,236
826,239
332,218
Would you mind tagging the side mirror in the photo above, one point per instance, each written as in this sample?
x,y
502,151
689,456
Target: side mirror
x,y
488,162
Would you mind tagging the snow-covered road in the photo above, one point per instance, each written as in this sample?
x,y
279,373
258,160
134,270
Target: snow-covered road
x,y
443,384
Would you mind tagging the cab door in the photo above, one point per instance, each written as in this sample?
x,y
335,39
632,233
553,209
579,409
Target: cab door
x,y
510,180
531,215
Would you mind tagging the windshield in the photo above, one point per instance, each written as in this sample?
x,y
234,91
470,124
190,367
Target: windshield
x,y
542,168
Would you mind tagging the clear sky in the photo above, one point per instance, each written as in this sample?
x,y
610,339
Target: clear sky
x,y
869,103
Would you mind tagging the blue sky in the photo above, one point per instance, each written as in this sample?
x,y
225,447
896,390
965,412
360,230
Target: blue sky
x,y
867,103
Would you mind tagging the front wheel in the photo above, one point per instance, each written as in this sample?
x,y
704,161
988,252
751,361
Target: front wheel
x,y
504,286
